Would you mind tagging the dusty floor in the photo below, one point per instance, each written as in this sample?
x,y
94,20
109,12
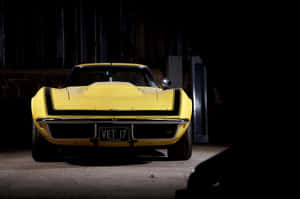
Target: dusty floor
x,y
76,177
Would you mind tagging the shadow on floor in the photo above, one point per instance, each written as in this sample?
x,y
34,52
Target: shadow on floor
x,y
112,157
212,178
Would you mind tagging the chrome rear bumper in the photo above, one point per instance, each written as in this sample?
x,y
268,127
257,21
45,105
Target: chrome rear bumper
x,y
112,121
97,122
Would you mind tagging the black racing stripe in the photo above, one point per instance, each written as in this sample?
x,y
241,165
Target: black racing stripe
x,y
52,111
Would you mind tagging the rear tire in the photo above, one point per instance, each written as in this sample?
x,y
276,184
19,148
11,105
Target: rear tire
x,y
42,150
181,150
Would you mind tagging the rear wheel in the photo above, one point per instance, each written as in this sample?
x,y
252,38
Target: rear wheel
x,y
42,150
181,150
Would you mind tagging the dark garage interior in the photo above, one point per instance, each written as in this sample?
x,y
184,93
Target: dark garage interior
x,y
188,42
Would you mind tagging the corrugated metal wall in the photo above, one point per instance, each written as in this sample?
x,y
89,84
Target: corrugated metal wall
x,y
36,36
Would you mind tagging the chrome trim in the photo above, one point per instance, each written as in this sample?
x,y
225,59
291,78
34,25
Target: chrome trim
x,y
132,139
113,121
95,131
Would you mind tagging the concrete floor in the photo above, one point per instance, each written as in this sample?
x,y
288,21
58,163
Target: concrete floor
x,y
76,177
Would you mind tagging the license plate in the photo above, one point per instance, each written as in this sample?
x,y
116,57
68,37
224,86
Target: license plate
x,y
114,134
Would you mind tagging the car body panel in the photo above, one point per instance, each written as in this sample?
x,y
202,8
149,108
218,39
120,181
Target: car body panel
x,y
106,96
115,101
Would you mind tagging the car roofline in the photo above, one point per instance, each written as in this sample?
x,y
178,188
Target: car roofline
x,y
111,64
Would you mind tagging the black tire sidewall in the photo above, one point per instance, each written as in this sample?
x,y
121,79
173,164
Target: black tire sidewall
x,y
182,150
42,150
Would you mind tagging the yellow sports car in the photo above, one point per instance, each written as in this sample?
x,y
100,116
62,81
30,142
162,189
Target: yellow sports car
x,y
111,105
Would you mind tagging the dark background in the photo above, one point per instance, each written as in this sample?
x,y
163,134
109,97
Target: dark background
x,y
40,41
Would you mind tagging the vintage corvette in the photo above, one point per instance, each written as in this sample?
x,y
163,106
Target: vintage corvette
x,y
111,105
